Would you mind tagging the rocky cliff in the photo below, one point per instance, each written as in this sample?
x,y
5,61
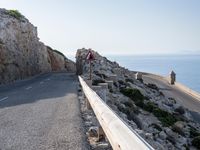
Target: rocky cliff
x,y
59,62
21,53
159,119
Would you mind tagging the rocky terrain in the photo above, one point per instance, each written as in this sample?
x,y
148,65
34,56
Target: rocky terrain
x,y
22,54
160,120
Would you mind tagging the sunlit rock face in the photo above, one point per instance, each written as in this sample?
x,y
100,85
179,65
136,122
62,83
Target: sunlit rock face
x,y
59,62
21,53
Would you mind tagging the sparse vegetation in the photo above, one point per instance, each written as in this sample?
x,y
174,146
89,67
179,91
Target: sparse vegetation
x,y
194,132
96,82
166,118
196,142
133,94
59,53
15,13
129,80
56,51
186,146
147,97
149,106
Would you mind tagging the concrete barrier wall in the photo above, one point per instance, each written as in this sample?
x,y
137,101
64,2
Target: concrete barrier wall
x,y
120,136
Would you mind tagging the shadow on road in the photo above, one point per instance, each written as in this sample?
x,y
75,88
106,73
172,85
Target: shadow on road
x,y
44,87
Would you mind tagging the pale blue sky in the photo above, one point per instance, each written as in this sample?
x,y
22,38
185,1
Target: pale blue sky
x,y
115,26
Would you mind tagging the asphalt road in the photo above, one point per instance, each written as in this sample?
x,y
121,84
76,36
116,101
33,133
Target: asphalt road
x,y
41,113
181,97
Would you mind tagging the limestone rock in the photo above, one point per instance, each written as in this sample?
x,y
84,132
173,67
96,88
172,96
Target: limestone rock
x,y
92,132
162,135
59,62
22,54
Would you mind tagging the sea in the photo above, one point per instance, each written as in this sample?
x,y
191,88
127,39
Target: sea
x,y
186,67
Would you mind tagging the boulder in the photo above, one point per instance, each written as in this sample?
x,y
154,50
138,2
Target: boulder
x,y
93,132
178,127
162,135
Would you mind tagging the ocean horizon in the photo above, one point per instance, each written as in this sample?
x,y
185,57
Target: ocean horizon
x,y
186,66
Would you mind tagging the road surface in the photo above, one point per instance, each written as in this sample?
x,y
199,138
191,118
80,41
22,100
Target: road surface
x,y
180,96
41,113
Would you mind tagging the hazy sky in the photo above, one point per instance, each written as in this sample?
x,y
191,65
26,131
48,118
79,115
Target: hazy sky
x,y
115,26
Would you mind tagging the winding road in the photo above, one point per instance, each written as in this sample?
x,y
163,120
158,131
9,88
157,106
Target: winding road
x,y
186,100
41,113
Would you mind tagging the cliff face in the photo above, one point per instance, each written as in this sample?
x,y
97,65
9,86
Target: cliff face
x,y
21,53
59,62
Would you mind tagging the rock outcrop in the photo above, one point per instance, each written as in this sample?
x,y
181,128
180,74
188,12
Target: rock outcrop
x,y
59,62
160,120
21,53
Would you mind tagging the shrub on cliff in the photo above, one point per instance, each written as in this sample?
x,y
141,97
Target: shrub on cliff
x,y
194,132
96,82
166,118
196,142
133,94
149,106
129,80
59,53
15,13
